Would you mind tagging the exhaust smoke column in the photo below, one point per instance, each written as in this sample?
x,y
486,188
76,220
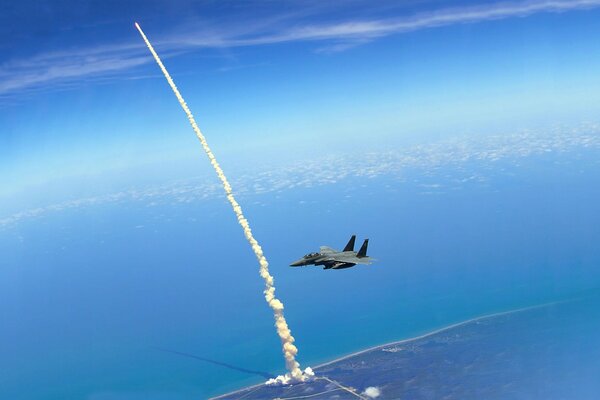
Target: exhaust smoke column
x,y
295,374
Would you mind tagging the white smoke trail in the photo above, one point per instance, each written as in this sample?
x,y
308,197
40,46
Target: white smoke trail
x,y
295,374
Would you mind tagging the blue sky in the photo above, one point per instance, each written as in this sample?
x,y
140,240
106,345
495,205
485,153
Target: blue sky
x,y
80,95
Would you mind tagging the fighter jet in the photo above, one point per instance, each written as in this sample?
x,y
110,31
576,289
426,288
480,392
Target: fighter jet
x,y
333,259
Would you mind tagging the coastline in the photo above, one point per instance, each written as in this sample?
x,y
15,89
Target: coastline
x,y
412,339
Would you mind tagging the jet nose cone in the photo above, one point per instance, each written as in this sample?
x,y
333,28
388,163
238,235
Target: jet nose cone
x,y
297,263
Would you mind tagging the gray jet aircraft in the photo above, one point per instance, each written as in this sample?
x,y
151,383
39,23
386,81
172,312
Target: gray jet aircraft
x,y
333,259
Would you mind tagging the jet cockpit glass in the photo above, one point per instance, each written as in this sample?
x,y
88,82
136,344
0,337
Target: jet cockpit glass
x,y
310,255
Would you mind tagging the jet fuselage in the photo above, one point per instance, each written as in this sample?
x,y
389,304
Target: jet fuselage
x,y
333,259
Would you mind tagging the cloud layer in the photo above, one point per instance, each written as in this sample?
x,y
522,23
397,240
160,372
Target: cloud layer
x,y
459,154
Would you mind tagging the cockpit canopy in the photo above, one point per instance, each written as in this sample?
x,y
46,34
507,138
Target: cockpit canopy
x,y
311,255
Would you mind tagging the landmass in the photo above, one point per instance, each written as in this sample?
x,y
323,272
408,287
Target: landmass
x,y
541,352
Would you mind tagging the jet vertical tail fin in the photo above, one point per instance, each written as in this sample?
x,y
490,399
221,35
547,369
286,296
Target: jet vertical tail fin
x,y
363,249
350,245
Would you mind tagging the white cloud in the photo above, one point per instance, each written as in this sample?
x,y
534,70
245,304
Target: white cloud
x,y
458,153
372,392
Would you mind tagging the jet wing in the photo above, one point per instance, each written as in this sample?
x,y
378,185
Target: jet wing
x,y
327,250
358,261
348,259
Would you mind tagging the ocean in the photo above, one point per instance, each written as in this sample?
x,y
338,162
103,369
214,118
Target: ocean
x,y
96,299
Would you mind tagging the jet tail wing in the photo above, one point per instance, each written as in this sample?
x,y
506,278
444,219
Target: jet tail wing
x,y
350,245
363,249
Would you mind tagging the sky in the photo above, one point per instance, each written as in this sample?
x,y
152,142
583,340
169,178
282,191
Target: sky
x,y
82,102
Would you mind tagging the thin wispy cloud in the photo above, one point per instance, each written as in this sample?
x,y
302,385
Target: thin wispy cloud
x,y
50,68
365,30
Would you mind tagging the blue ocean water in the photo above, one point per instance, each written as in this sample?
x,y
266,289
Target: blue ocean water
x,y
91,297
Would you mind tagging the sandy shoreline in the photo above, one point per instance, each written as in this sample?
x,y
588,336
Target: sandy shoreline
x,y
411,339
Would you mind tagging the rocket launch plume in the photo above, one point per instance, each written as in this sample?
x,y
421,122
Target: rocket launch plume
x,y
295,374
